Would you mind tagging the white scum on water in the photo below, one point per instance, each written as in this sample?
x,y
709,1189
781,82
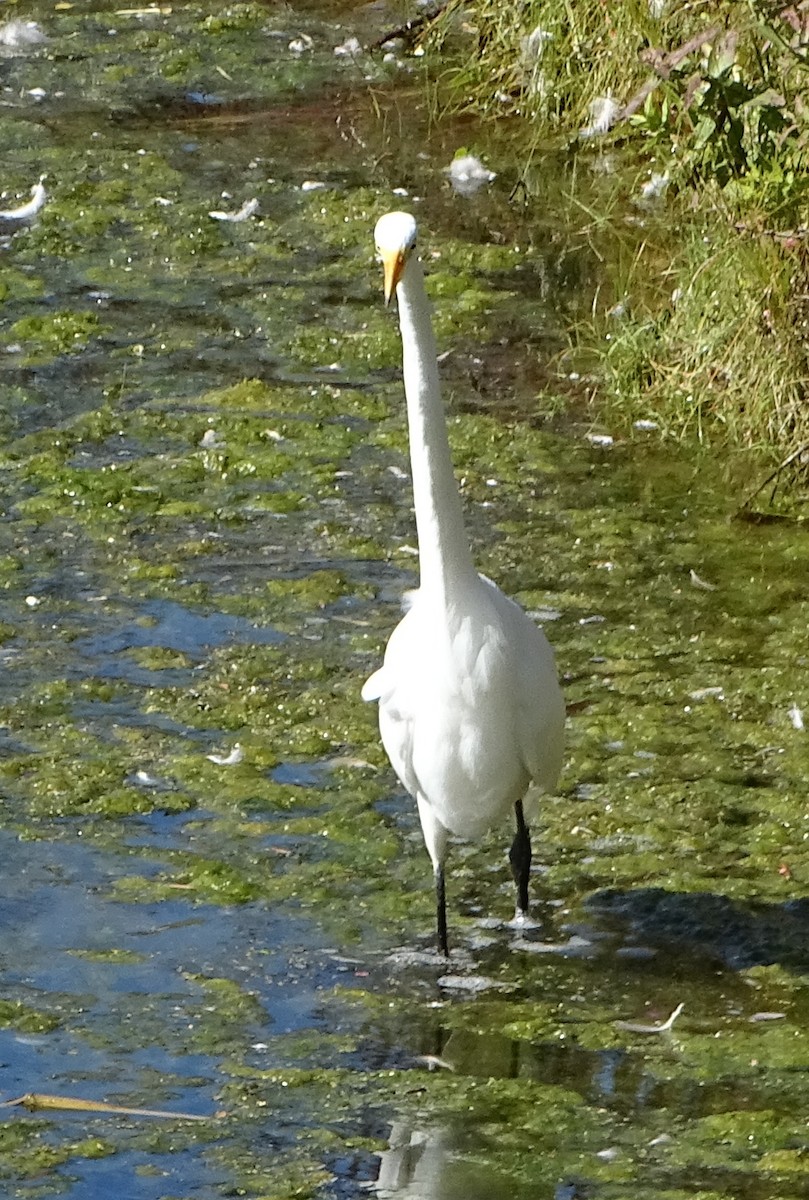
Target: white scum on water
x,y
533,48
468,175
604,112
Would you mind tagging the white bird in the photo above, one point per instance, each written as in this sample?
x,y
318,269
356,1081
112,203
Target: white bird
x,y
470,709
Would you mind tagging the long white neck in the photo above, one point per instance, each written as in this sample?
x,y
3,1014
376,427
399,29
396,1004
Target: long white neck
x,y
444,558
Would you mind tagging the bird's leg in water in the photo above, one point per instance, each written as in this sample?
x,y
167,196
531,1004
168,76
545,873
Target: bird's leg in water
x,y
520,859
441,910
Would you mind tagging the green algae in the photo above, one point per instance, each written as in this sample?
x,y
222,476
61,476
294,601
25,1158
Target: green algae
x,y
42,338
228,1012
70,773
461,1105
18,285
26,1154
115,955
14,1014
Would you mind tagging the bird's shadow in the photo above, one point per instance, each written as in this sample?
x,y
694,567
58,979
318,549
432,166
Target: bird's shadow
x,y
737,934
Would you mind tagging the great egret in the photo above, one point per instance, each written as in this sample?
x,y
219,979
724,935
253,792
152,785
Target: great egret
x,y
470,709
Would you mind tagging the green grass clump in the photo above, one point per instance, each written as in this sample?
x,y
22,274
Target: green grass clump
x,y
547,61
723,356
717,86
707,337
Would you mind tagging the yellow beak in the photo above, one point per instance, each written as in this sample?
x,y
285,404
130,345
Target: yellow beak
x,y
393,262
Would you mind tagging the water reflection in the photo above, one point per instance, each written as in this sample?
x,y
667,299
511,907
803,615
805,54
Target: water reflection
x,y
703,925
172,626
422,1162
611,1076
414,1163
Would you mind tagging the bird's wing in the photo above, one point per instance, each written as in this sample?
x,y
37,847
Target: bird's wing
x,y
540,715
541,731
393,686
374,686
535,698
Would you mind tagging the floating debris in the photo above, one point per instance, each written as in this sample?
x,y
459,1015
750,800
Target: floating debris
x,y
469,983
645,425
532,51
302,44
533,45
39,1101
767,1016
146,780
640,1027
211,440
12,218
604,112
653,190
154,783
575,947
706,693
433,1063
468,175
247,210
796,717
349,762
698,582
350,48
22,35
599,439
228,760
313,185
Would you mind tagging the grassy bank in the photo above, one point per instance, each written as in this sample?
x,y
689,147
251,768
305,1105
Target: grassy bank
x,y
706,102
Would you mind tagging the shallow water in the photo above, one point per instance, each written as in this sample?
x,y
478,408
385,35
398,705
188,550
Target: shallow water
x,y
206,530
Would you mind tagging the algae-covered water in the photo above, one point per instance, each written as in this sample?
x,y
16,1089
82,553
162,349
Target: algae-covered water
x,y
215,899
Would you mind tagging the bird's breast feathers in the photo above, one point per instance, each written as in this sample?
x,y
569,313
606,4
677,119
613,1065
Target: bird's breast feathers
x,y
462,712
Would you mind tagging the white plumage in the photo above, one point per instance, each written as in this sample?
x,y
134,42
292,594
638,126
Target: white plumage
x,y
470,709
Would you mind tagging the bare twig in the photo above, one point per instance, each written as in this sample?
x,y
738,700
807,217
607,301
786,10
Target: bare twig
x,y
39,1101
641,1027
663,64
776,474
411,29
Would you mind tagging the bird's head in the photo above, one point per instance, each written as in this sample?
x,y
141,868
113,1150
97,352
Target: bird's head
x,y
395,237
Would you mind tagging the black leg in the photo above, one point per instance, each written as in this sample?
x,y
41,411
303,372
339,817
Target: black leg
x,y
441,911
520,858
